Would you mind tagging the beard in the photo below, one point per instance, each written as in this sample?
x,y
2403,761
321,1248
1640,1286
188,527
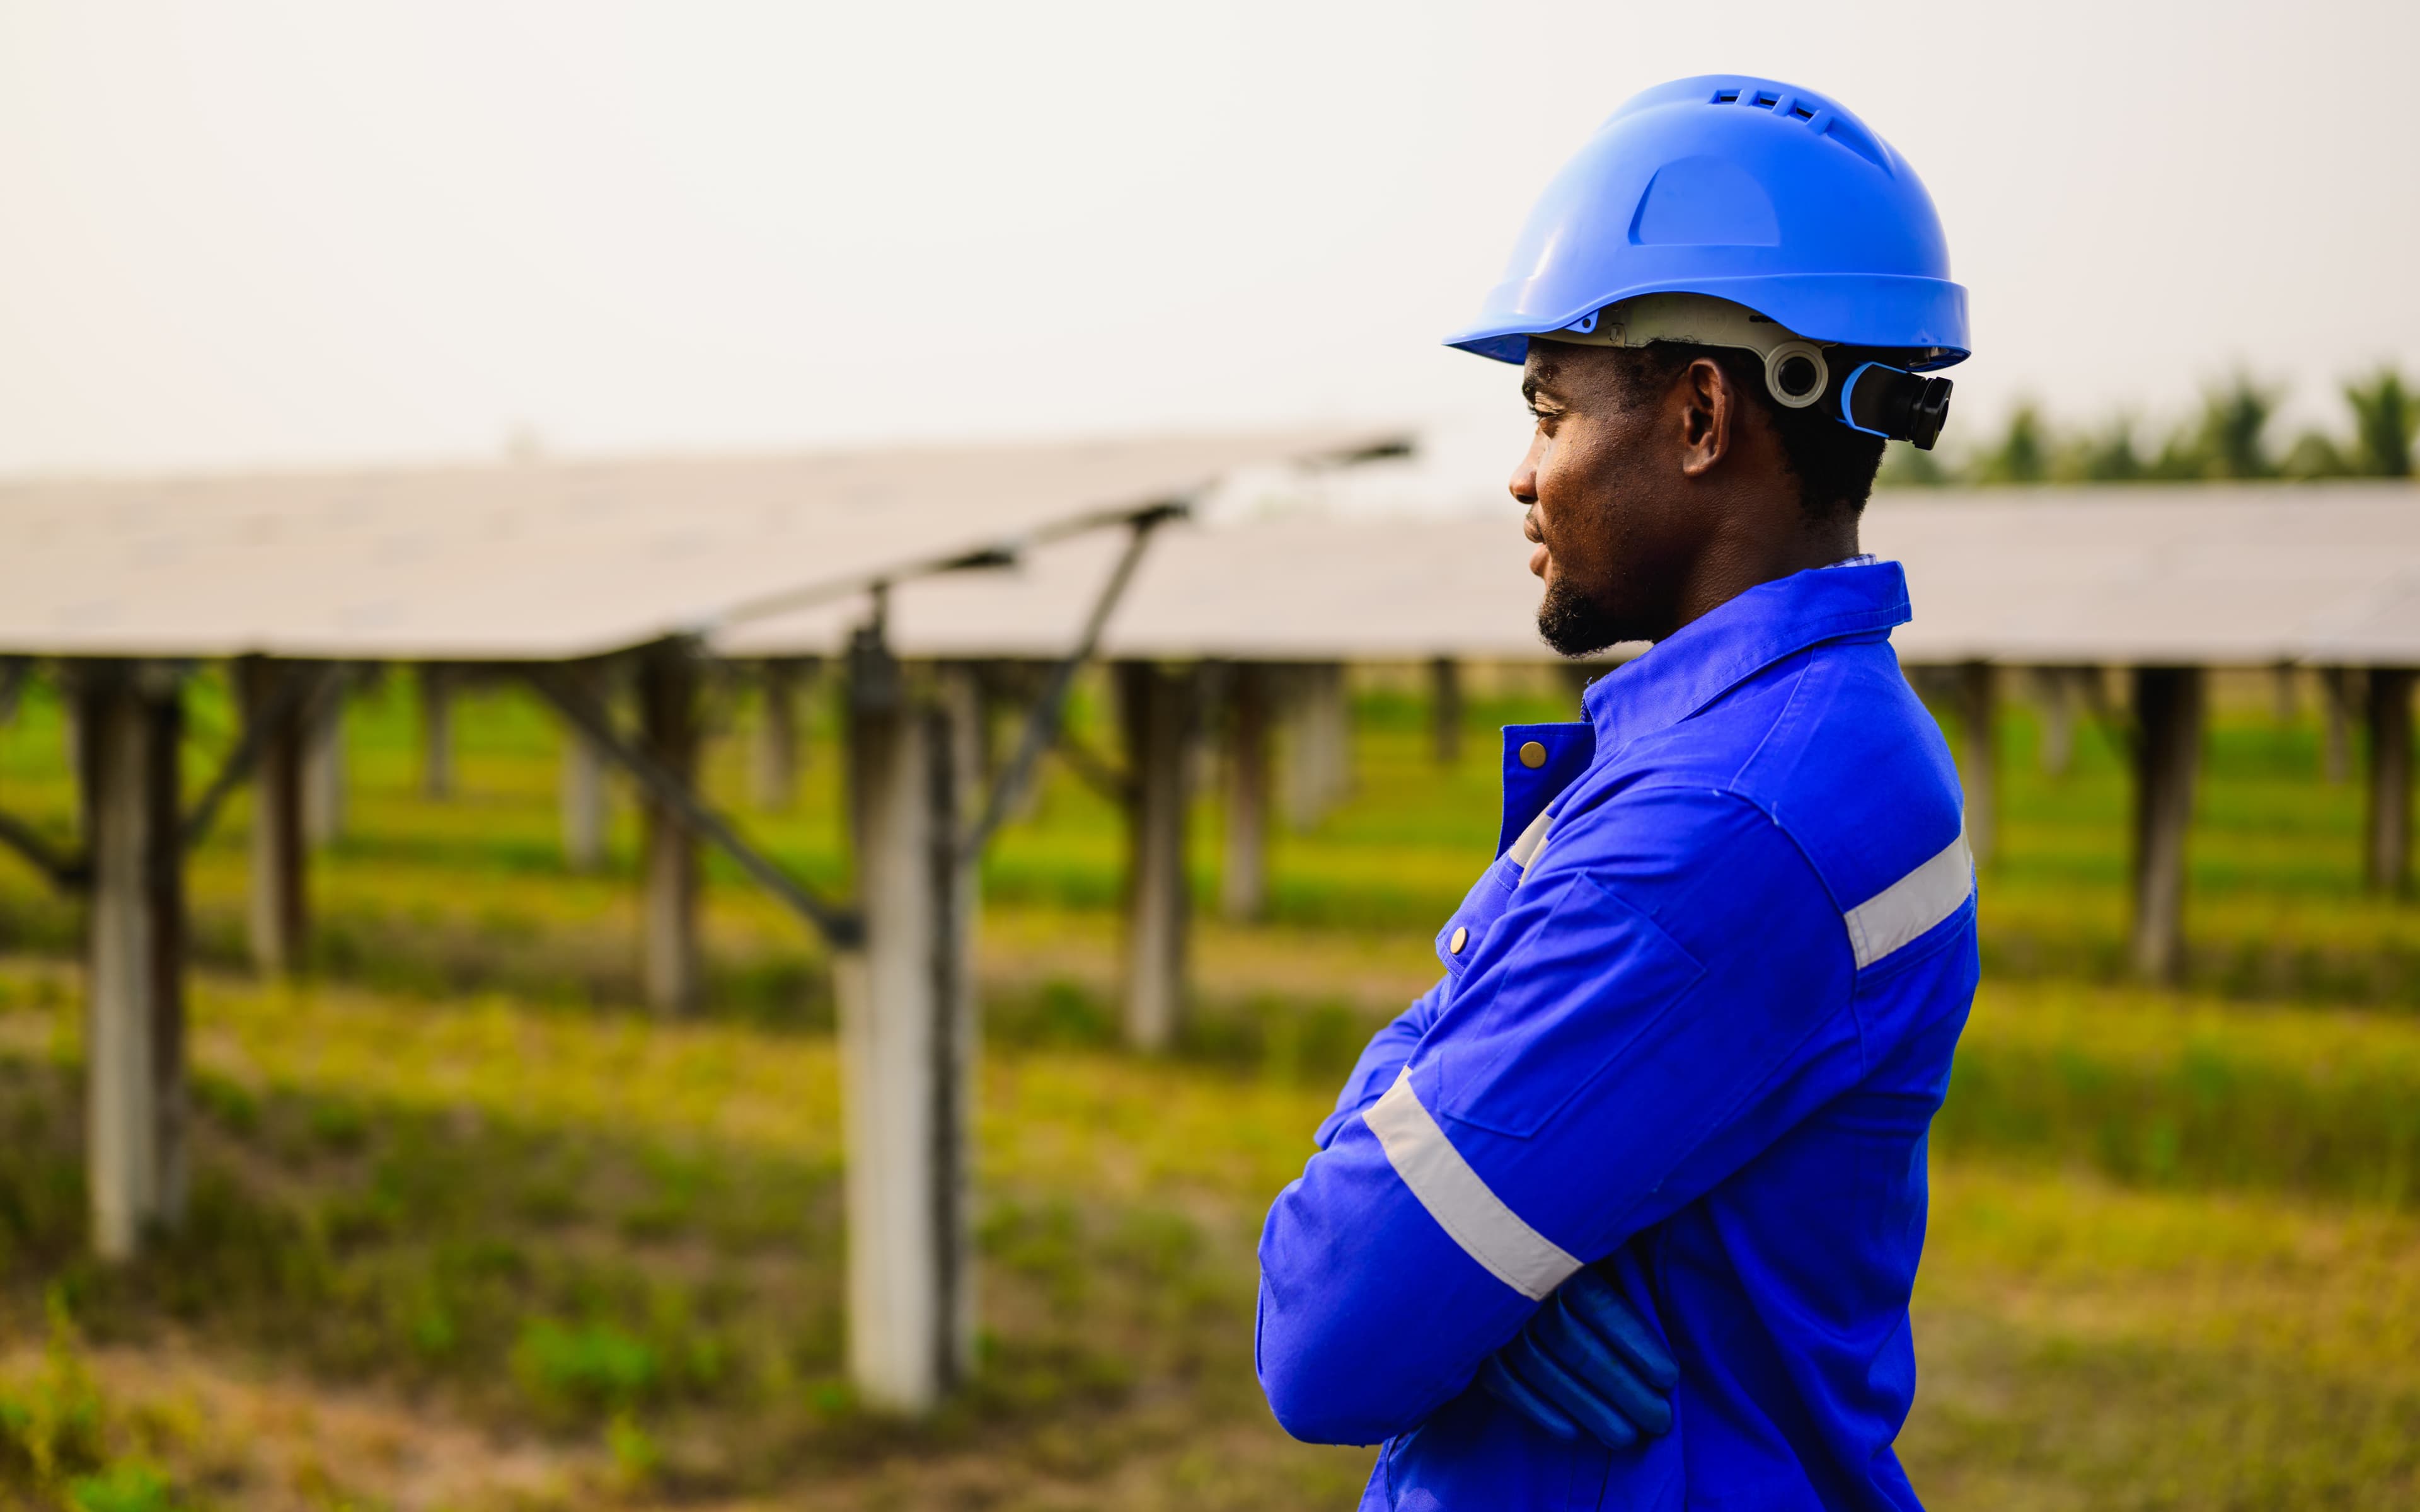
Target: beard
x,y
1573,624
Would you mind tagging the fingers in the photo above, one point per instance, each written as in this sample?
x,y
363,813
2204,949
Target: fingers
x,y
1514,1392
1599,1303
1571,1394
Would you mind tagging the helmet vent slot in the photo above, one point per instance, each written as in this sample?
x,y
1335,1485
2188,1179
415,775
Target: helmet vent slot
x,y
1803,111
1724,96
1765,99
1840,130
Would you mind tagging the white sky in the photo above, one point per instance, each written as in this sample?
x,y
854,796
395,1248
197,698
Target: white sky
x,y
252,232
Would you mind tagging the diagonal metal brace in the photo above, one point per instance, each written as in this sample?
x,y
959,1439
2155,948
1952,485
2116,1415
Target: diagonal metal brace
x,y
1042,724
69,873
839,926
1095,770
299,694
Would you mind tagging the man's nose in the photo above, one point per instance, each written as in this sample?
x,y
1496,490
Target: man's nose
x,y
1522,484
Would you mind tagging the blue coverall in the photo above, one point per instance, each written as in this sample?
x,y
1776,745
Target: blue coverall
x,y
1695,1020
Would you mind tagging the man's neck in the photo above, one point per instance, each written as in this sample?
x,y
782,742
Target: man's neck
x,y
1735,561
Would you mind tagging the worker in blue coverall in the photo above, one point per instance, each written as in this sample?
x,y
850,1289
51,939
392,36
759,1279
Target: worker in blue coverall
x,y
1625,1211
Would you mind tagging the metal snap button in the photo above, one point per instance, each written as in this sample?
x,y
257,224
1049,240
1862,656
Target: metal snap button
x,y
1461,938
1533,755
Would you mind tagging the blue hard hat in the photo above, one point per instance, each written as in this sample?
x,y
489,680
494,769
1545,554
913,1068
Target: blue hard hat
x,y
1759,192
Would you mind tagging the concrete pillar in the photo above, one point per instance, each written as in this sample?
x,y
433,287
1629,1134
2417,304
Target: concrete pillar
x,y
278,917
775,768
135,1053
1445,710
437,730
582,797
2389,858
1244,874
964,724
1979,771
582,791
1335,706
2336,715
323,768
670,960
1152,705
2056,693
2168,758
1320,755
906,1046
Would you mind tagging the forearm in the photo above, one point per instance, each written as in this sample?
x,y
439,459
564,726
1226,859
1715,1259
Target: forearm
x,y
1370,1316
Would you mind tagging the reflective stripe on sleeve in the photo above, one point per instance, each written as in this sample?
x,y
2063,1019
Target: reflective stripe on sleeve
x,y
1905,910
1488,1230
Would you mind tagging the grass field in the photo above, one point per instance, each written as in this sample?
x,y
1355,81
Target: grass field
x,y
470,1231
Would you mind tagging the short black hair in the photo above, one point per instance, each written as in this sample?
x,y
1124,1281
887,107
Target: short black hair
x,y
1835,465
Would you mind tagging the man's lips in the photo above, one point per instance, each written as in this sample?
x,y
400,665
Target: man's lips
x,y
1538,558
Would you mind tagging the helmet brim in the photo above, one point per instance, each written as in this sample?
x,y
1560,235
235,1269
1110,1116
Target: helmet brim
x,y
1885,311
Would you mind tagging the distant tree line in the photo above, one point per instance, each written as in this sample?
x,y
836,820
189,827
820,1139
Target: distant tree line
x,y
2229,439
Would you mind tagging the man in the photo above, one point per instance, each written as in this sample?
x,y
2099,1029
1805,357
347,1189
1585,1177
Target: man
x,y
1625,1211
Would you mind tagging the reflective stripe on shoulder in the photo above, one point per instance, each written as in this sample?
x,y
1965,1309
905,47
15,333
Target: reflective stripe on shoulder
x,y
1902,912
1526,844
1488,1231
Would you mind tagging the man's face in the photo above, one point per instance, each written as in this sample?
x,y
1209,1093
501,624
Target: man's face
x,y
1614,522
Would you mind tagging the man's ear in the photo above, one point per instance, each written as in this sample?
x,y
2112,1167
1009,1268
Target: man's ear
x,y
1710,416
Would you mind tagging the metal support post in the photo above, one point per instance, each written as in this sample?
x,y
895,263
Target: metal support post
x,y
2389,869
906,1064
2168,758
1978,715
278,918
1445,710
668,715
1244,879
135,1053
436,730
1154,706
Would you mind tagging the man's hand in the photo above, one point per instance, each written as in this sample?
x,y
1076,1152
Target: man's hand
x,y
1587,1367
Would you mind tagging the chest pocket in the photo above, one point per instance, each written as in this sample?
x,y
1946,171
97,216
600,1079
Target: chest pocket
x,y
1579,989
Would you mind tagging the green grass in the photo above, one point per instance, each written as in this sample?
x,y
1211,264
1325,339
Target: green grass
x,y
454,1190
599,1231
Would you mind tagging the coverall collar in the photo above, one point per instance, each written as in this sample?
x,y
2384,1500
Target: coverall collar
x,y
1698,663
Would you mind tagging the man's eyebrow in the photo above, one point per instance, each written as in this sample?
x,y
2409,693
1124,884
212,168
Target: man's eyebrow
x,y
1539,380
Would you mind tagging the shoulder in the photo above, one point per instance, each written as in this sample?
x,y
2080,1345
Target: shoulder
x,y
1833,755
1706,865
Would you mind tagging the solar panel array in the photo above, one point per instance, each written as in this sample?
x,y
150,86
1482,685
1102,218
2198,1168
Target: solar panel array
x,y
2232,574
543,560
553,561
